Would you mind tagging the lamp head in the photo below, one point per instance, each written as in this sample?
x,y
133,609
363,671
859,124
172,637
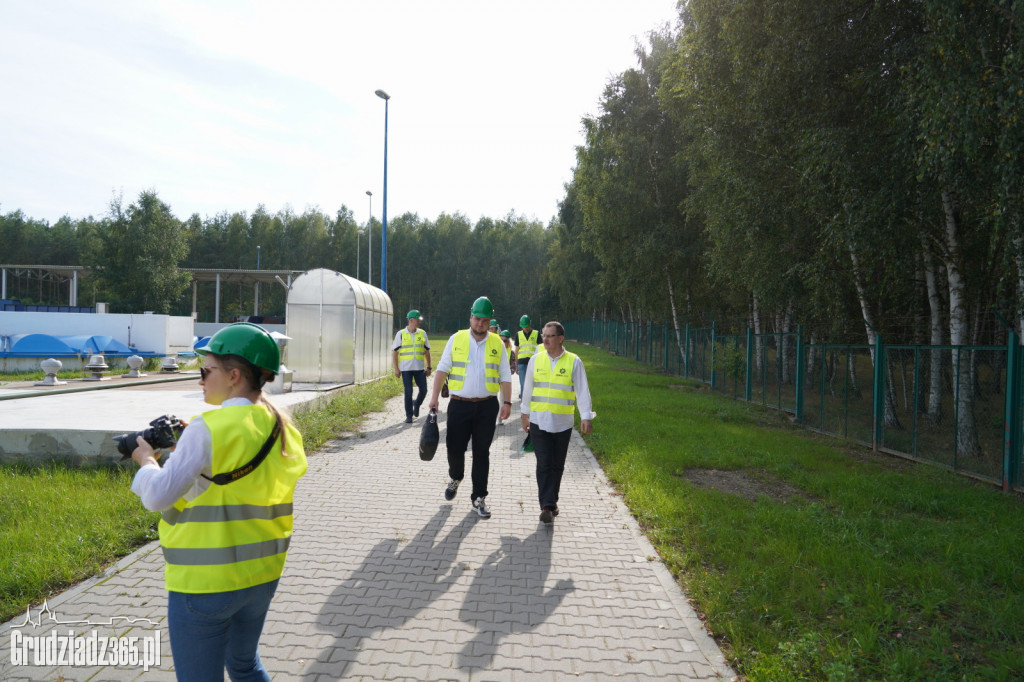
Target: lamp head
x,y
382,94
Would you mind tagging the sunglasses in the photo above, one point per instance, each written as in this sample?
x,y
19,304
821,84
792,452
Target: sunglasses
x,y
205,372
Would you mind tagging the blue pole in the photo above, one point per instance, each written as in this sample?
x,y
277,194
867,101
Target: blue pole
x,y
384,222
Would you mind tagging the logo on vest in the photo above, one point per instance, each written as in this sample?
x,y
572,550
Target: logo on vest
x,y
561,370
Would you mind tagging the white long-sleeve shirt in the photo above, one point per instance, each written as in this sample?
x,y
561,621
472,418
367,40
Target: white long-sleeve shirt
x,y
159,488
475,385
547,420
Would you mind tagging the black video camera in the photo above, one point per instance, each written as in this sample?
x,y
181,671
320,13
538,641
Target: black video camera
x,y
163,433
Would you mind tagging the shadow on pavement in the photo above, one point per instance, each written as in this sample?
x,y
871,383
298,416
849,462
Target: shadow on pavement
x,y
394,583
508,595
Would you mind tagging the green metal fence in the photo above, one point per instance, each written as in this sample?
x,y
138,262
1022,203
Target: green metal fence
x,y
959,407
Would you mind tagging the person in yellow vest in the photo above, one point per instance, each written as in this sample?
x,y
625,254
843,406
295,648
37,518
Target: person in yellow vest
x,y
506,338
410,355
556,386
476,367
526,345
226,503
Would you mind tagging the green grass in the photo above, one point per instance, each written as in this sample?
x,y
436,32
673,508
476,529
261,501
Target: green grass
x,y
873,568
61,525
344,412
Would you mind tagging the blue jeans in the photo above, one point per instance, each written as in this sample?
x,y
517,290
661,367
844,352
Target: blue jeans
x,y
210,632
420,376
522,376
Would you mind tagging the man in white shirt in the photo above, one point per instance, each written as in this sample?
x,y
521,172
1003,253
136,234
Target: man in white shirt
x,y
410,355
554,387
475,365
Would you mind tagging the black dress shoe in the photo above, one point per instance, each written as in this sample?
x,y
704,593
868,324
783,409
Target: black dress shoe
x,y
408,420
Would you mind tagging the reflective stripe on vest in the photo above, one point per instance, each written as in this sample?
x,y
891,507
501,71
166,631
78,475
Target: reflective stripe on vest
x,y
227,512
553,390
460,361
234,536
412,347
527,345
219,556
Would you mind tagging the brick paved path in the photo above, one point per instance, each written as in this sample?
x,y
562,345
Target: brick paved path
x,y
386,580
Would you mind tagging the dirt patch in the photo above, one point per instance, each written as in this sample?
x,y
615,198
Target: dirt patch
x,y
746,484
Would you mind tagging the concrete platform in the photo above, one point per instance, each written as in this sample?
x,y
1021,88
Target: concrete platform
x,y
76,422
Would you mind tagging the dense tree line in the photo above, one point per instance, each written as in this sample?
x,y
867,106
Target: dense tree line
x,y
852,165
437,266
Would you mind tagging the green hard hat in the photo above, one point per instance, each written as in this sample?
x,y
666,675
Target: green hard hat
x,y
248,341
413,315
524,321
482,307
494,323
505,333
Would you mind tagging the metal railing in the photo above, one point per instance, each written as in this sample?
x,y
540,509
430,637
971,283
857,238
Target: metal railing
x,y
958,407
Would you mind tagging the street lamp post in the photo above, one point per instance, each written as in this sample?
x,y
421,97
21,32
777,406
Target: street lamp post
x,y
369,241
257,303
359,233
384,220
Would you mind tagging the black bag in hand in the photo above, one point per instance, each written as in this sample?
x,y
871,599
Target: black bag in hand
x,y
429,437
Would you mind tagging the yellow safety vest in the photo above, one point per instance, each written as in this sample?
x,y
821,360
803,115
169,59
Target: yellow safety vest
x,y
460,361
235,536
553,390
412,347
508,351
527,345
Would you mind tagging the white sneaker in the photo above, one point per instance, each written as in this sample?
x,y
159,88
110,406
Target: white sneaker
x,y
481,508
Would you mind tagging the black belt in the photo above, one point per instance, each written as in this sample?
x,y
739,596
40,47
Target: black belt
x,y
470,400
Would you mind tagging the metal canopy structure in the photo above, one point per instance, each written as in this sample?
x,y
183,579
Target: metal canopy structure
x,y
60,274
69,274
221,276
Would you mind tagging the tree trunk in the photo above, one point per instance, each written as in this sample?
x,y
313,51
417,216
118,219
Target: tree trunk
x,y
675,316
889,409
934,402
758,341
966,430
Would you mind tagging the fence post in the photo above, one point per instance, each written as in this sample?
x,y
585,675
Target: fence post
x,y
878,402
1012,417
748,389
800,369
686,353
714,335
650,342
666,348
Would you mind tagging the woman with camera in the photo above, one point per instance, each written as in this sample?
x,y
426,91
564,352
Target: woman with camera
x,y
226,503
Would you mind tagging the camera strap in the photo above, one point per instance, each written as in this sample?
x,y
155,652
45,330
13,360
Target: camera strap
x,y
246,469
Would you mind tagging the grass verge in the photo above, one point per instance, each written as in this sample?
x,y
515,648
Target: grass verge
x,y
344,412
812,559
59,525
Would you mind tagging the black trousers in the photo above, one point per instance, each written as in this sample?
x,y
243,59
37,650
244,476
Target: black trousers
x,y
468,420
551,450
420,376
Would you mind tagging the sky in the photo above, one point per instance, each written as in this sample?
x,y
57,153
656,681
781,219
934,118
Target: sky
x,y
220,106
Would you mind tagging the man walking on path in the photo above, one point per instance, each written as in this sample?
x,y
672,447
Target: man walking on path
x,y
556,384
476,368
410,355
526,346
